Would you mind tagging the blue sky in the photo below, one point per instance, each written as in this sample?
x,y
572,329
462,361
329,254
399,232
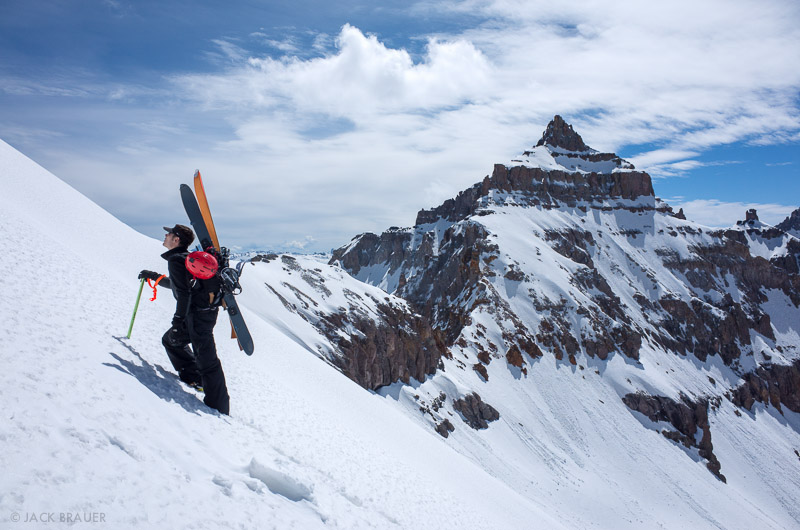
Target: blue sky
x,y
314,121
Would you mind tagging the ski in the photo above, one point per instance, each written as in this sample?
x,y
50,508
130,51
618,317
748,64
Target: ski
x,y
202,202
229,276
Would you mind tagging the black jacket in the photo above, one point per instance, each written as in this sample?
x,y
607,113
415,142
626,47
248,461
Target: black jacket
x,y
179,279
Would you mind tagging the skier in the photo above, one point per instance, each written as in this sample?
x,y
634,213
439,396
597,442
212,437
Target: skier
x,y
194,321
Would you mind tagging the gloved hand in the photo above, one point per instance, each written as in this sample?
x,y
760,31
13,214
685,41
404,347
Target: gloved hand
x,y
178,323
149,275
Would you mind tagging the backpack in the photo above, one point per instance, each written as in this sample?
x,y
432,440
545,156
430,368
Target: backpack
x,y
211,276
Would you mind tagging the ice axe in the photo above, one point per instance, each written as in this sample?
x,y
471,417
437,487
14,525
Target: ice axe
x,y
136,307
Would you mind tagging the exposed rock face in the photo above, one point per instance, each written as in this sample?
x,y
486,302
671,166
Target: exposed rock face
x,y
390,247
791,224
445,428
450,274
687,417
790,262
476,413
706,327
385,341
540,188
560,134
774,385
697,328
400,347
782,242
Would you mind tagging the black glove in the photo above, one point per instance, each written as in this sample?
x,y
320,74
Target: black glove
x,y
149,275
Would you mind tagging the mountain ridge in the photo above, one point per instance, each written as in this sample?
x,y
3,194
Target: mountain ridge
x,y
557,401
543,261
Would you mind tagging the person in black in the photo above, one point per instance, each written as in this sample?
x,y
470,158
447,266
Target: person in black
x,y
193,322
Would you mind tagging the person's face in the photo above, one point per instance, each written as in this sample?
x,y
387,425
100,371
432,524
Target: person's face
x,y
171,240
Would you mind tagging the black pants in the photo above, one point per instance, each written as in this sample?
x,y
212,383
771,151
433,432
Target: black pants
x,y
199,364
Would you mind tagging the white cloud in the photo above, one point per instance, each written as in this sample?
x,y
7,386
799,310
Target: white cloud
x,y
363,78
687,75
661,156
301,244
715,213
353,134
664,163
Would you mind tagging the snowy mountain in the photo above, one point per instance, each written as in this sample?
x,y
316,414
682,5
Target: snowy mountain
x,y
96,428
780,244
602,351
553,348
791,224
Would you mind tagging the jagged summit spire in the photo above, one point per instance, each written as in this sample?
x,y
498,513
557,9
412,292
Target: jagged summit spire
x,y
562,149
791,223
561,134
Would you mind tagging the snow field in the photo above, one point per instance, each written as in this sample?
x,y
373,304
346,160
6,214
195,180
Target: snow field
x,y
566,440
98,423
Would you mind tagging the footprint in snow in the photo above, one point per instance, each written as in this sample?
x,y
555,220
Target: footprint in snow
x,y
225,484
279,483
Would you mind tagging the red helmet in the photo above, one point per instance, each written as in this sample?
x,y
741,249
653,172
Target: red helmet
x,y
201,265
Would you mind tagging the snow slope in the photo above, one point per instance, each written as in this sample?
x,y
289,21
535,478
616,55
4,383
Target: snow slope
x,y
564,434
552,158
97,427
542,277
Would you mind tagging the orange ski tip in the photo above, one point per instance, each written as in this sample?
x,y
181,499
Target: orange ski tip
x,y
196,173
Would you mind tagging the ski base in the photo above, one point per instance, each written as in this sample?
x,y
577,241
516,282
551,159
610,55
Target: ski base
x,y
199,224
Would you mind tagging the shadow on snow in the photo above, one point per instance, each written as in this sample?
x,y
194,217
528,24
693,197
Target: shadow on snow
x,y
163,384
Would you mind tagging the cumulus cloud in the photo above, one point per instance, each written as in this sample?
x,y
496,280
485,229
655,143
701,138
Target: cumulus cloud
x,y
353,134
362,78
688,75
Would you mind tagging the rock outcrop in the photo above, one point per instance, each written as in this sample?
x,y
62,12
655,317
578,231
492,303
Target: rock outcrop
x,y
776,385
450,273
561,134
376,341
397,347
547,189
688,417
791,224
475,411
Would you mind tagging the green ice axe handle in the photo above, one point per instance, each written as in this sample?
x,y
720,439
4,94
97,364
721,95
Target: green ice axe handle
x,y
136,307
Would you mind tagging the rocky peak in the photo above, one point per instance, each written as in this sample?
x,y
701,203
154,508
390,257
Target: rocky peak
x,y
791,223
750,220
561,134
562,149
